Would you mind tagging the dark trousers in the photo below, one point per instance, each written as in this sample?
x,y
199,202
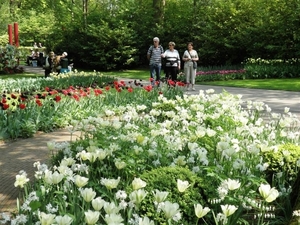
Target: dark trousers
x,y
171,72
155,73
47,72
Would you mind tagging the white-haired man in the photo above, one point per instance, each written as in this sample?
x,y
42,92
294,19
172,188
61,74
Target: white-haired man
x,y
154,56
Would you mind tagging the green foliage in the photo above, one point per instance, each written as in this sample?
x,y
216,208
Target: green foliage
x,y
283,163
114,35
165,179
9,60
3,39
273,68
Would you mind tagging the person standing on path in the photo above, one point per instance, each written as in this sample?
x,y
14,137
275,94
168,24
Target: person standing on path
x,y
154,56
49,64
189,57
172,62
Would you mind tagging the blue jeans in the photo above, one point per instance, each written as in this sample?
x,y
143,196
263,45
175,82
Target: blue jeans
x,y
155,72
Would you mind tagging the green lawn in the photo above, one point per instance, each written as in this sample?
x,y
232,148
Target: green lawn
x,y
138,74
20,75
291,84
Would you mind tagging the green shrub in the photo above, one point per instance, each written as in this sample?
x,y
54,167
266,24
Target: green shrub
x,y
273,68
283,162
3,39
165,179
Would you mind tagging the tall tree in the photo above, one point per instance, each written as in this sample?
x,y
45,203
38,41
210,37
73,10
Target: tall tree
x,y
159,8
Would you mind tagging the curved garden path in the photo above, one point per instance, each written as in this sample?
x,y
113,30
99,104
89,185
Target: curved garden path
x,y
21,155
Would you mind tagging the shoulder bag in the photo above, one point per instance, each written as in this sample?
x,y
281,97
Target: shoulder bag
x,y
194,63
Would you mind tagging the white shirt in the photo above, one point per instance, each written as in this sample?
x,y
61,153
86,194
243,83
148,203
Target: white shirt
x,y
172,58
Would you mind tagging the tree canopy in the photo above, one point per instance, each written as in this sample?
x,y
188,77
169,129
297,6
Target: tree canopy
x,y
113,34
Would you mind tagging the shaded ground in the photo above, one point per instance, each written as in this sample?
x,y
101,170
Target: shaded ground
x,y
21,155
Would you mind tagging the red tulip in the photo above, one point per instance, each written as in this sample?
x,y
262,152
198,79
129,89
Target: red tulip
x,y
22,106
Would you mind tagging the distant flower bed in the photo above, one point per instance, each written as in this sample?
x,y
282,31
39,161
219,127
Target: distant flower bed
x,y
199,73
44,108
214,75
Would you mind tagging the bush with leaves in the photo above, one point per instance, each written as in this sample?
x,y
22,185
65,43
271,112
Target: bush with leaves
x,y
283,162
9,60
165,179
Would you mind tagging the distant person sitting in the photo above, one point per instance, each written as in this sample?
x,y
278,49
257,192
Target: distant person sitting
x,y
33,56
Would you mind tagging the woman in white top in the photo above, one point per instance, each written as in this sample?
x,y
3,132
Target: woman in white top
x,y
190,56
172,62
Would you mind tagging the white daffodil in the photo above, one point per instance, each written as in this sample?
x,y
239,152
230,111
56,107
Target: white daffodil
x,y
160,196
98,203
111,208
268,193
88,194
63,220
57,177
145,221
228,210
200,211
232,184
110,183
46,219
170,209
137,196
120,164
101,154
91,217
67,162
182,185
138,183
113,219
80,181
21,180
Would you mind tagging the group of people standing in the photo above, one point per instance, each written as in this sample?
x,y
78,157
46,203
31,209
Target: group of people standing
x,y
56,63
155,55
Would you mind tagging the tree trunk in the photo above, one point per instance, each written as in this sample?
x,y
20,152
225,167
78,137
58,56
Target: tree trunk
x,y
85,9
159,8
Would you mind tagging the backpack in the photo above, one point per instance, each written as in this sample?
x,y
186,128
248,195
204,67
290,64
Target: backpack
x,y
151,49
163,60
